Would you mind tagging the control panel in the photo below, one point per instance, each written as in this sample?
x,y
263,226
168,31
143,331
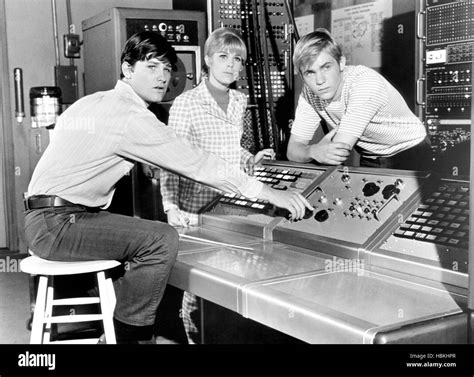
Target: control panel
x,y
447,74
236,15
352,205
177,32
279,177
437,231
396,219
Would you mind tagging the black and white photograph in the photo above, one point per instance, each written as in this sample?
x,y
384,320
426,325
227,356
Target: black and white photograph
x,y
236,188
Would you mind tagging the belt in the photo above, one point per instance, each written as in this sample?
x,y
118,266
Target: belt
x,y
45,201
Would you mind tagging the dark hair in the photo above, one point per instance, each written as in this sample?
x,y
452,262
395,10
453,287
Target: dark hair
x,y
147,45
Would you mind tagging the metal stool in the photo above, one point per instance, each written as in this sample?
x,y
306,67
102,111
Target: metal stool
x,y
43,314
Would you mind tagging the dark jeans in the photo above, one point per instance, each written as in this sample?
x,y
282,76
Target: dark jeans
x,y
419,157
147,248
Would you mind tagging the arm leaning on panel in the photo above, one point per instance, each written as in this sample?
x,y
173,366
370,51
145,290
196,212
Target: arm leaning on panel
x,y
326,151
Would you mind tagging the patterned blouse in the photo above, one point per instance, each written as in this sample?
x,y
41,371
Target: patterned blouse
x,y
196,116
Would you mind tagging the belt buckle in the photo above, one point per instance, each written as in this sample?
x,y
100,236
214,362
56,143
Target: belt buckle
x,y
26,204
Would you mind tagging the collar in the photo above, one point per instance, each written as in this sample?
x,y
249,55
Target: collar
x,y
124,88
206,96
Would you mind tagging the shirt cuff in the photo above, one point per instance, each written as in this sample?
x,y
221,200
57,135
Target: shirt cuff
x,y
167,207
253,189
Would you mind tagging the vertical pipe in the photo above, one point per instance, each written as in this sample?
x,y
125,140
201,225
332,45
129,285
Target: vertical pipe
x,y
19,104
55,32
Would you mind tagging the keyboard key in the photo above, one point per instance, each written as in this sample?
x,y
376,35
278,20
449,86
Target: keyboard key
x,y
420,236
280,187
399,233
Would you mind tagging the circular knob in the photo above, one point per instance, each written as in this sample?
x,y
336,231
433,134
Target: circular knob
x,y
345,178
321,216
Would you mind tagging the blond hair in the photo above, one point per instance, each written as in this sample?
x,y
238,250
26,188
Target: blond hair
x,y
310,46
223,39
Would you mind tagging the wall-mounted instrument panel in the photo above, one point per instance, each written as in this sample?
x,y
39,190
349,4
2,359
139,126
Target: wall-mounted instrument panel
x,y
446,29
373,234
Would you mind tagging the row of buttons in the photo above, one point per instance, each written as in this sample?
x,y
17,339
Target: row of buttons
x,y
272,176
445,237
244,202
443,218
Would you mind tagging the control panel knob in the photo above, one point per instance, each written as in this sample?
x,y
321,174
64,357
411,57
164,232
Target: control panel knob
x,y
370,189
389,190
321,216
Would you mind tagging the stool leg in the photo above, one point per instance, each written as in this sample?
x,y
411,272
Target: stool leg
x,y
38,316
106,308
111,295
48,313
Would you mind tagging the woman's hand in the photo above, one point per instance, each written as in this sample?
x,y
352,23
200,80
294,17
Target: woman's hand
x,y
255,160
177,218
268,154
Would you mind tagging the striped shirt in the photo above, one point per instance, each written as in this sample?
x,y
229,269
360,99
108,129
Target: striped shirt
x,y
196,116
96,140
369,108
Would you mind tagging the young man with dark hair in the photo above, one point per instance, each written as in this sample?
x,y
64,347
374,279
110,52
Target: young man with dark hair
x,y
93,145
363,111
